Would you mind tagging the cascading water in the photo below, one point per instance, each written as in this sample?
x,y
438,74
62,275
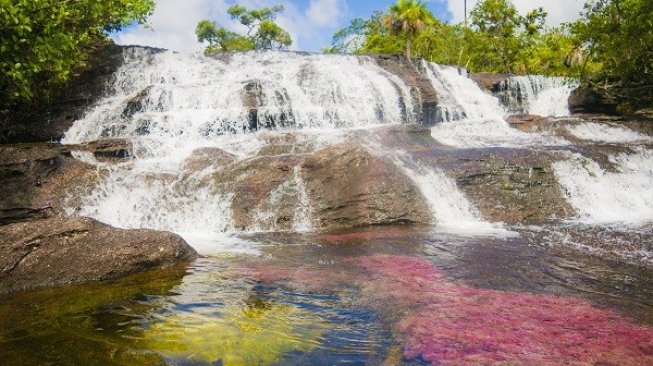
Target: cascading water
x,y
170,106
174,107
538,94
620,195
471,117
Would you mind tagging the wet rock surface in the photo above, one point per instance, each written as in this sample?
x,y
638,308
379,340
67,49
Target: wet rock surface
x,y
349,187
421,89
36,178
264,195
58,251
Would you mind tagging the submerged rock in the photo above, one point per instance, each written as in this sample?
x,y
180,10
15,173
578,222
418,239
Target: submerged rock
x,y
349,187
59,251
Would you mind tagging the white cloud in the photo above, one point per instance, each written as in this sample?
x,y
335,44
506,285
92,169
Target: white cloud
x,y
325,12
173,22
560,11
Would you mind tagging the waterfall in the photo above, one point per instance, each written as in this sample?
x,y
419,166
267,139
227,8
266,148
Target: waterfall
x,y
470,117
451,209
459,98
171,106
180,96
623,194
538,94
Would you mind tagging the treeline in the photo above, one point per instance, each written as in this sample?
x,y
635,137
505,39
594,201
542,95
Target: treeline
x,y
43,43
610,48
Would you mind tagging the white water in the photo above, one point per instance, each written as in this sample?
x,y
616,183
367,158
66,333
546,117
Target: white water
x,y
190,102
540,95
604,132
471,117
606,197
452,211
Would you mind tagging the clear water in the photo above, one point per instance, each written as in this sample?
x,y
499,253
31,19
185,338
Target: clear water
x,y
383,296
462,290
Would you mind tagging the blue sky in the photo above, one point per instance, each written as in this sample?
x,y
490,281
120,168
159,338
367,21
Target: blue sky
x,y
311,23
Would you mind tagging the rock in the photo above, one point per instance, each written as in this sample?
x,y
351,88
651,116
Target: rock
x,y
584,100
349,187
527,122
60,251
265,196
514,186
420,86
206,157
36,179
494,83
108,150
49,121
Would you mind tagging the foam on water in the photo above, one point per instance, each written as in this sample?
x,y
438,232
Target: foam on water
x,y
604,132
605,197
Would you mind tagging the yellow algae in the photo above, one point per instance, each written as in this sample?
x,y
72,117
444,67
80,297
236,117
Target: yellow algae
x,y
258,333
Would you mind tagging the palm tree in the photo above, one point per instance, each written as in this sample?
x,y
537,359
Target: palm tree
x,y
408,18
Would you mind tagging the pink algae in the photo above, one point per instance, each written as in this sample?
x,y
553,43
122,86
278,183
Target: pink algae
x,y
454,324
447,323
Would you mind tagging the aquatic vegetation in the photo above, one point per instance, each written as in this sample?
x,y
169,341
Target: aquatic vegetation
x,y
454,324
258,333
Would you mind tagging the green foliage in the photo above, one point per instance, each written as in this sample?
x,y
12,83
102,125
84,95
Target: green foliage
x,y
499,39
42,42
262,32
406,19
617,36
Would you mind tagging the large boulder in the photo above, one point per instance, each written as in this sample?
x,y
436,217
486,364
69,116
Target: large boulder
x,y
349,187
264,189
36,179
60,251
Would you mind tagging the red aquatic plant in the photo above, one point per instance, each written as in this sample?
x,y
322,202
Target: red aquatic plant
x,y
448,323
454,324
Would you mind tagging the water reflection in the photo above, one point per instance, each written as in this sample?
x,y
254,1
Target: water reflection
x,y
378,296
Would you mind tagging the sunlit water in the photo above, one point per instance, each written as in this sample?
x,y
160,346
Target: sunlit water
x,y
385,296
462,291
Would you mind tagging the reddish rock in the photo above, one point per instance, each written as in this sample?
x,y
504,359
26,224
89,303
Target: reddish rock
x,y
349,187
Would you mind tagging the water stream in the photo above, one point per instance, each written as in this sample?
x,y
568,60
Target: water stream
x,y
462,290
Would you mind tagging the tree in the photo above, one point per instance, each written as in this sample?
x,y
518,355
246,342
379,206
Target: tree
x,y
262,32
407,18
497,23
44,42
617,37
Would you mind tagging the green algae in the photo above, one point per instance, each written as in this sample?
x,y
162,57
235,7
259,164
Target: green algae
x,y
257,333
65,326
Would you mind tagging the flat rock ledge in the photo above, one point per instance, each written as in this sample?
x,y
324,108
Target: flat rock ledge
x,y
60,251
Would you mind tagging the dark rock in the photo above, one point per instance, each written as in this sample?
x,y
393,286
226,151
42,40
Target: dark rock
x,y
108,150
35,179
349,187
514,186
494,83
584,100
420,86
55,252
